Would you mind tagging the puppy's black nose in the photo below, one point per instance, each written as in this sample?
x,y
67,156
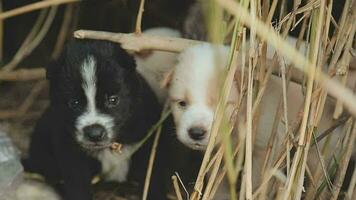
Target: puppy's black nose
x,y
94,133
197,133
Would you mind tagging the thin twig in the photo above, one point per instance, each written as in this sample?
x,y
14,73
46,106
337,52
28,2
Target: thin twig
x,y
23,74
152,157
340,175
139,17
33,7
176,187
133,42
27,103
1,33
63,33
28,48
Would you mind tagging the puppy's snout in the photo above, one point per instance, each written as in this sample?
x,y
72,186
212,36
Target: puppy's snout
x,y
94,133
197,133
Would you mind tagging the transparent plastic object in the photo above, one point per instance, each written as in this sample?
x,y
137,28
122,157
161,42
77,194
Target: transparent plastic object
x,y
11,170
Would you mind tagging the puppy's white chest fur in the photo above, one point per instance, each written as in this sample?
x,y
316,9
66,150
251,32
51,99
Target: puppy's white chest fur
x,y
115,166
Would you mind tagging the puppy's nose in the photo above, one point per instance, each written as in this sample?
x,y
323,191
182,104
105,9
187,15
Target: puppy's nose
x,y
197,133
94,133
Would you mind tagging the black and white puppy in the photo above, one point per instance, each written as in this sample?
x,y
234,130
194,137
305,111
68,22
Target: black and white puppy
x,y
96,98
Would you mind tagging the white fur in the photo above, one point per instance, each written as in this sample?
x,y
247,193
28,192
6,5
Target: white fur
x,y
115,166
155,66
91,115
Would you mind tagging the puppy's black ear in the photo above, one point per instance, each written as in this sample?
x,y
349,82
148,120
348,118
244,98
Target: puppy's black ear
x,y
126,60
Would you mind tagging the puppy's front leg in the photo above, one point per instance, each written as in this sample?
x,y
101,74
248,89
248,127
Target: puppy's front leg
x,y
76,171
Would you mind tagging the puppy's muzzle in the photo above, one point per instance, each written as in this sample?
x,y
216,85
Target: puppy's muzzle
x,y
197,133
94,133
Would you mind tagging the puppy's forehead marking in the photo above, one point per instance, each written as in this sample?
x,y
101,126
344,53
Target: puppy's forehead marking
x,y
87,71
196,72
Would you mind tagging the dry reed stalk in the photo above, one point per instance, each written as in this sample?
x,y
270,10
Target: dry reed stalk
x,y
263,31
207,192
237,152
267,178
23,74
296,178
340,35
139,17
151,163
340,175
133,42
26,104
33,39
176,187
1,34
63,32
227,127
30,36
33,7
351,190
249,115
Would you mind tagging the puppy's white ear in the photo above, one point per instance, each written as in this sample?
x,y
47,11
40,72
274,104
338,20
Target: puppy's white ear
x,y
167,78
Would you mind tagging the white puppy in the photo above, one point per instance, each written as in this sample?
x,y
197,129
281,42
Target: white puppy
x,y
194,91
194,88
152,65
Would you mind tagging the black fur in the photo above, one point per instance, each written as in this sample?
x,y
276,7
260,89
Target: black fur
x,y
54,151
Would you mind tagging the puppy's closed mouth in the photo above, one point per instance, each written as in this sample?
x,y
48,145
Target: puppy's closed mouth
x,y
95,146
198,146
116,147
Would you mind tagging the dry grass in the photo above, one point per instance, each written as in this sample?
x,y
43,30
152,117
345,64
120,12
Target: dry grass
x,y
286,172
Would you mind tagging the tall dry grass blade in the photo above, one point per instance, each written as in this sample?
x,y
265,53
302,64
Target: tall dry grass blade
x,y
351,191
340,174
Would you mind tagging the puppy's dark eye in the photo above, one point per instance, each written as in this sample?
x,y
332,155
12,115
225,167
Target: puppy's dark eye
x,y
182,104
73,103
112,101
